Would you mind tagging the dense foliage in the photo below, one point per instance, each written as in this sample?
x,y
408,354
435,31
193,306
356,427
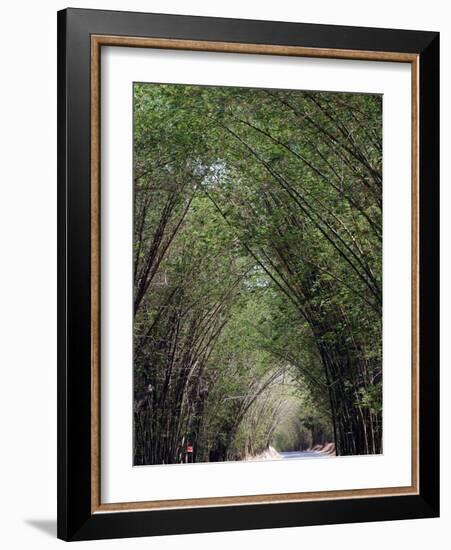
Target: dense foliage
x,y
257,272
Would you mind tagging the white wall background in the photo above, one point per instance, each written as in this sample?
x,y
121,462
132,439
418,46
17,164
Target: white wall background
x,y
28,271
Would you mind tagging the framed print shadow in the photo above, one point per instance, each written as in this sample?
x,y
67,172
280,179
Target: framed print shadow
x,y
248,274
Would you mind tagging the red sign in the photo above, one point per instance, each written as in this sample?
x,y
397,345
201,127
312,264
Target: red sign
x,y
189,448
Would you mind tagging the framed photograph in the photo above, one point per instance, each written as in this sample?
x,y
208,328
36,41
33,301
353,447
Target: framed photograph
x,y
248,274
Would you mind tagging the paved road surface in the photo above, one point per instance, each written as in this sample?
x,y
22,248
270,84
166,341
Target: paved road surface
x,y
303,454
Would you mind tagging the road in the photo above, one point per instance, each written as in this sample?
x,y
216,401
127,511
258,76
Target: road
x,y
303,454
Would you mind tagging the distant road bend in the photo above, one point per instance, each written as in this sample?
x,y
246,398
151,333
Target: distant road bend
x,y
303,454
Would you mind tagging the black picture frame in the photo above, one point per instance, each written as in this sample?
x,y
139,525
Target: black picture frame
x,y
75,518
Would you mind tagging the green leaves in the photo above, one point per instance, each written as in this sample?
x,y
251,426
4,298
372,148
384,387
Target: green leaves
x,y
257,250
